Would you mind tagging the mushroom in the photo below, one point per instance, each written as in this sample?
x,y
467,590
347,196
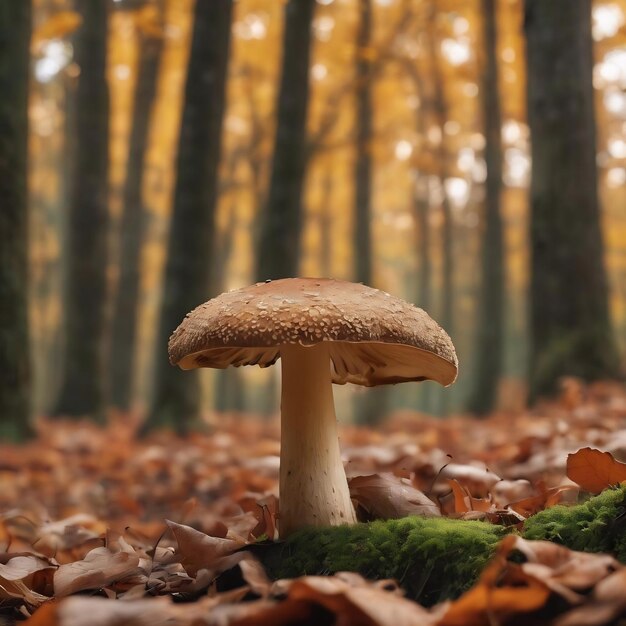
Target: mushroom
x,y
324,331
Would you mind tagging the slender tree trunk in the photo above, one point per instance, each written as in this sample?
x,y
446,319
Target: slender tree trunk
x,y
363,162
440,110
15,390
370,406
569,317
279,249
85,295
421,210
176,395
421,214
490,339
125,310
326,225
229,388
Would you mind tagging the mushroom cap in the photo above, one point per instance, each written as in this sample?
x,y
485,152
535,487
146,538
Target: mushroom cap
x,y
373,338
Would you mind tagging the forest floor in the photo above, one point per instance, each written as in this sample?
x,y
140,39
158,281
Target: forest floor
x,y
99,527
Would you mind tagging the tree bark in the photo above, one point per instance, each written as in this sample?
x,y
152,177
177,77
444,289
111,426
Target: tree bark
x,y
125,309
363,162
82,389
490,336
569,315
279,249
326,225
176,394
15,28
440,110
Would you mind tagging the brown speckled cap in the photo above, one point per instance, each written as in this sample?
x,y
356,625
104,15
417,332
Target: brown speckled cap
x,y
374,338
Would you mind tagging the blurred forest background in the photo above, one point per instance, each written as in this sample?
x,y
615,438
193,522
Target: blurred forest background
x,y
467,156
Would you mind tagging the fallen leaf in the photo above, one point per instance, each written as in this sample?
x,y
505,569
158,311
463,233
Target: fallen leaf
x,y
594,470
99,568
348,597
384,496
199,551
504,589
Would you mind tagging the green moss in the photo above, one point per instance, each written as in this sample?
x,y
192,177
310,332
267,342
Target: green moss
x,y
432,558
593,526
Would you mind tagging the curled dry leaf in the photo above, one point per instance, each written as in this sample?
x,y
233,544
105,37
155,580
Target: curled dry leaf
x,y
198,551
594,470
547,498
78,611
384,496
503,590
507,589
349,598
99,568
562,568
603,606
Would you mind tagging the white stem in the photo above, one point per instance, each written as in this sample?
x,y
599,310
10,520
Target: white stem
x,y
313,486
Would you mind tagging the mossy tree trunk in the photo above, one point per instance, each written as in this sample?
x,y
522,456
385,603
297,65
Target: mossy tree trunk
x,y
176,394
15,27
82,387
279,245
490,336
125,308
569,315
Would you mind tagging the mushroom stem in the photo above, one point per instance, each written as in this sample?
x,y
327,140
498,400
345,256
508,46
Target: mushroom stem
x,y
313,486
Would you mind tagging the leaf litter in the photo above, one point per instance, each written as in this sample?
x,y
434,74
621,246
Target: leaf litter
x,y
98,527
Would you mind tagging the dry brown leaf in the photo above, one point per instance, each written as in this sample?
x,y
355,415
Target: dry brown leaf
x,y
347,596
99,568
384,496
23,567
503,589
255,576
78,611
606,603
547,498
198,551
461,497
594,470
563,569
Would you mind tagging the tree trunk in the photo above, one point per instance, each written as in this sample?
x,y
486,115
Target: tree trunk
x,y
125,310
363,163
440,109
279,249
176,394
370,406
15,393
490,340
326,225
421,210
229,386
569,315
85,293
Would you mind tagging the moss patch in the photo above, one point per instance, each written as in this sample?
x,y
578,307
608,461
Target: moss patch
x,y
597,525
433,559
